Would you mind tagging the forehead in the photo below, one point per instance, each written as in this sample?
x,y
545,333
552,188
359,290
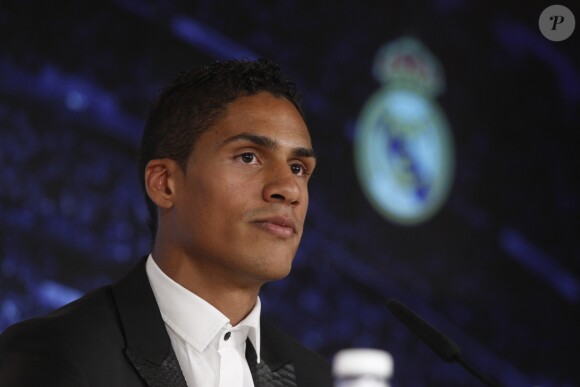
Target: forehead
x,y
266,115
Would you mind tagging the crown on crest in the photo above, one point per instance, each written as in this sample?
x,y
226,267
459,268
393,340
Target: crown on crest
x,y
406,63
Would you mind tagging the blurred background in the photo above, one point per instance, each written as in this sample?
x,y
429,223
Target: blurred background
x,y
494,263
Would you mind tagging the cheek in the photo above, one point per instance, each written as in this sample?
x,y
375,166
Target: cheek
x,y
304,202
222,201
240,188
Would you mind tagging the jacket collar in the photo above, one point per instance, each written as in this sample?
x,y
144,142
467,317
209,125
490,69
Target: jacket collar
x,y
144,329
148,346
147,343
273,370
272,350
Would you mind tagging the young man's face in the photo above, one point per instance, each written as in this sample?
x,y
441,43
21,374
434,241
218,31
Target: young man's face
x,y
241,204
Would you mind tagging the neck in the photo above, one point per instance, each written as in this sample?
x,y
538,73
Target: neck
x,y
227,294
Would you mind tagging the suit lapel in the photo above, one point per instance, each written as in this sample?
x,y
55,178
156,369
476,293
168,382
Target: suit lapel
x,y
275,369
149,350
168,373
147,343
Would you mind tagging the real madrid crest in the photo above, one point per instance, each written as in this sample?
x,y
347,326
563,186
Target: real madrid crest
x,y
403,147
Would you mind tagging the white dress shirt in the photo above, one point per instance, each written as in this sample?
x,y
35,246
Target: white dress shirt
x,y
211,353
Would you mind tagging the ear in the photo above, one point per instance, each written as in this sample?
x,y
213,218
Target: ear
x,y
160,177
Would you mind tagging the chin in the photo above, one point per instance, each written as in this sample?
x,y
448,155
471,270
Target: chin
x,y
279,274
275,269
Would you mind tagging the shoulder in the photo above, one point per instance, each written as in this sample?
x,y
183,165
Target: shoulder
x,y
55,344
86,316
310,367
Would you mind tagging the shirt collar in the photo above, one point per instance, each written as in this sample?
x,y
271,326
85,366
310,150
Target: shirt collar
x,y
252,321
193,318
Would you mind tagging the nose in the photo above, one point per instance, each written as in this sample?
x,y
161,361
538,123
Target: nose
x,y
283,187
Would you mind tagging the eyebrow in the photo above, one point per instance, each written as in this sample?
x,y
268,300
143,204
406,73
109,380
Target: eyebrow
x,y
269,143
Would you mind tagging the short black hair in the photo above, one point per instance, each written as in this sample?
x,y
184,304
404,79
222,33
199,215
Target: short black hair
x,y
193,103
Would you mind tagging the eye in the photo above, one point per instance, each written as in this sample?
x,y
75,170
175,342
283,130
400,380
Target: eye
x,y
247,157
298,169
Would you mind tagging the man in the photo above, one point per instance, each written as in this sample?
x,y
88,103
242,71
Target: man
x,y
225,161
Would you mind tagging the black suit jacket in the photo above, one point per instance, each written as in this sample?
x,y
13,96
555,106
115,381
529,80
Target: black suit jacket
x,y
115,336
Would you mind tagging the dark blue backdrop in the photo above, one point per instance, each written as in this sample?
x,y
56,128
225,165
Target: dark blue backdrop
x,y
497,268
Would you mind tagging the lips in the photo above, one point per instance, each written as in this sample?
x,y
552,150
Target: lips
x,y
280,226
